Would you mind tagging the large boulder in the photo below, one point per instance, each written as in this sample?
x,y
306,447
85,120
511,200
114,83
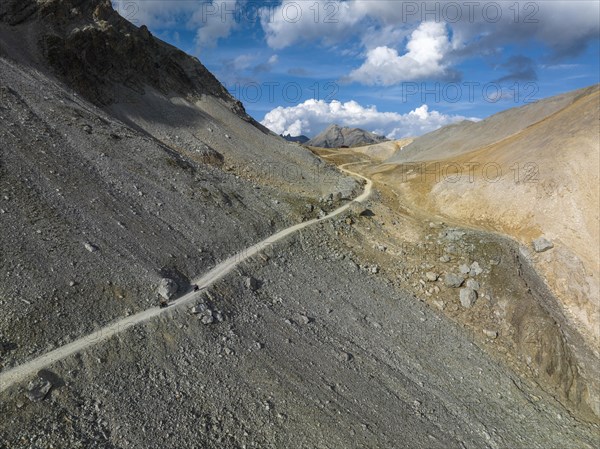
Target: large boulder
x,y
167,288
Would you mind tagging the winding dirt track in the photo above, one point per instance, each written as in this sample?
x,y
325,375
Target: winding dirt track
x,y
14,375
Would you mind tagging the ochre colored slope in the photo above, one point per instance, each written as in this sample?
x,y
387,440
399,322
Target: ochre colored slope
x,y
540,181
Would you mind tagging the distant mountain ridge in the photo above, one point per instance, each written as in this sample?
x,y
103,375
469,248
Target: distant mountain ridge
x,y
336,136
299,139
460,138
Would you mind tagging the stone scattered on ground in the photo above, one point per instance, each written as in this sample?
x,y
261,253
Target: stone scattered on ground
x,y
431,276
464,269
468,296
542,244
303,319
490,333
38,389
251,283
90,247
453,280
453,235
439,304
345,356
473,284
475,269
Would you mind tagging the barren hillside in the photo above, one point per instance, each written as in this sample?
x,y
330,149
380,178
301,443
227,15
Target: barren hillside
x,y
539,183
129,176
100,201
381,151
460,138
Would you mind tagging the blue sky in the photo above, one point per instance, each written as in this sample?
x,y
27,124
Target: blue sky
x,y
399,68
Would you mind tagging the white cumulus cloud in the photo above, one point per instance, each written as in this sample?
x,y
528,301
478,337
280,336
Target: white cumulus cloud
x,y
214,21
425,58
381,27
312,116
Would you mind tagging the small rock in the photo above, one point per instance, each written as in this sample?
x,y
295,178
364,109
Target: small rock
x,y
451,249
453,280
374,269
468,296
90,247
38,389
453,235
473,284
303,319
464,269
475,269
251,283
439,304
345,356
198,309
431,276
542,244
87,129
349,221
490,333
445,258
207,319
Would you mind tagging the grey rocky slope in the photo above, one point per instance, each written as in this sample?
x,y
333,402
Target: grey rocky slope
x,y
321,353
335,136
101,197
96,209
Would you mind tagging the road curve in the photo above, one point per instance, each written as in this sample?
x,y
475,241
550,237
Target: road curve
x,y
14,375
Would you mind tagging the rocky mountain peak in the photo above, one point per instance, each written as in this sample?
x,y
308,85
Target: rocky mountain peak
x,y
105,58
336,136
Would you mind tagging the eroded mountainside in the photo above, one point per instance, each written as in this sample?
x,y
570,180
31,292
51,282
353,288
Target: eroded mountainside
x,y
534,179
98,205
123,163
